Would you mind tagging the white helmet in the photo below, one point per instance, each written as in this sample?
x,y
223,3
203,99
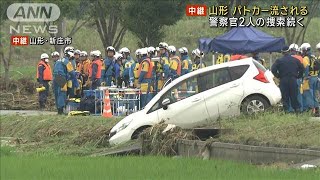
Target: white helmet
x,y
151,49
95,53
44,56
110,48
293,47
98,53
196,52
55,53
183,50
172,49
83,53
77,51
138,52
163,45
70,54
124,50
118,56
68,48
157,49
318,46
144,51
305,46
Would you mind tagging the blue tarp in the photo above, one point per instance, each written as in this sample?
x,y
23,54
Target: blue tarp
x,y
242,40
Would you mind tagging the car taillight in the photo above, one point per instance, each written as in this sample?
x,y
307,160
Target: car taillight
x,y
260,77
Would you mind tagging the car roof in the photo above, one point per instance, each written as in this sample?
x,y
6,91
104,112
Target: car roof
x,y
246,61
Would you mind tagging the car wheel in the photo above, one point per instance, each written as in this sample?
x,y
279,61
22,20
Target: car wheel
x,y
254,104
137,133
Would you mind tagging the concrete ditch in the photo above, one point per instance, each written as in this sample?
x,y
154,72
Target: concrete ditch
x,y
245,153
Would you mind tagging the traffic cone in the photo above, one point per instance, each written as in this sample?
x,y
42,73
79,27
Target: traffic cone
x,y
107,107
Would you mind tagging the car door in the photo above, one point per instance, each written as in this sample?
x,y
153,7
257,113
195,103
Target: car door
x,y
224,96
187,106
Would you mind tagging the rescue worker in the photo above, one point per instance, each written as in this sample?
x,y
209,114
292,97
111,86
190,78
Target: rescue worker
x,y
163,70
258,58
186,64
318,49
293,48
109,65
288,69
134,72
118,69
312,76
145,78
71,80
44,76
95,71
175,63
157,53
77,60
127,65
197,63
86,65
152,54
63,69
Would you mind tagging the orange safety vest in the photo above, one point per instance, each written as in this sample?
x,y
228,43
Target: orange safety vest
x,y
300,58
79,66
237,57
47,74
98,62
148,75
86,66
179,64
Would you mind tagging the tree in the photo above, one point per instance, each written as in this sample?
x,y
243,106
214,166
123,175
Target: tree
x,y
77,10
292,35
107,17
6,59
146,18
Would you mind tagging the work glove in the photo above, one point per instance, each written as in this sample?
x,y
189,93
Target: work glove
x,y
131,84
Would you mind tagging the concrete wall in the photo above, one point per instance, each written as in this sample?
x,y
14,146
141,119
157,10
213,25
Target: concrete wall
x,y
247,153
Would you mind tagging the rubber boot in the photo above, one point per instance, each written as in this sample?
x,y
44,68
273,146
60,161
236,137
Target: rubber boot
x,y
316,112
60,111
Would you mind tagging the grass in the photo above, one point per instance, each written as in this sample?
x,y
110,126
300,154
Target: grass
x,y
149,167
273,129
57,134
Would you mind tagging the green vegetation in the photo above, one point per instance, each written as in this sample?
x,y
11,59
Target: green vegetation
x,y
80,135
273,129
71,167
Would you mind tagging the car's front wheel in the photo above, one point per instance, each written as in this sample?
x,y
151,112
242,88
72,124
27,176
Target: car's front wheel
x,y
254,104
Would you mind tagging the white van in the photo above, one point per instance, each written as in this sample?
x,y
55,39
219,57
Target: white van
x,y
203,96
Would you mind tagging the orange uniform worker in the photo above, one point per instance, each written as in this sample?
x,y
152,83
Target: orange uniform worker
x,y
95,70
145,77
44,76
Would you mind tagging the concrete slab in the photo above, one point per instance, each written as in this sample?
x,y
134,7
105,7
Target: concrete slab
x,y
26,112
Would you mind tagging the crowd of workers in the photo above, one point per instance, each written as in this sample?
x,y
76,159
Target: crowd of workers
x,y
148,71
298,71
152,67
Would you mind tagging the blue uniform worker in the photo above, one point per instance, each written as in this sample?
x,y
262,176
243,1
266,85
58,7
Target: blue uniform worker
x,y
109,62
288,69
128,61
63,69
312,77
186,63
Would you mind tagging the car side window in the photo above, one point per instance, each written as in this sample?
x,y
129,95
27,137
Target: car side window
x,y
213,79
180,91
237,72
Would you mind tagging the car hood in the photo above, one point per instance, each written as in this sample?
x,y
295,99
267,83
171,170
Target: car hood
x,y
126,120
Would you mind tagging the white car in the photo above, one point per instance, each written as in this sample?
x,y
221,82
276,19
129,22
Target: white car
x,y
202,96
